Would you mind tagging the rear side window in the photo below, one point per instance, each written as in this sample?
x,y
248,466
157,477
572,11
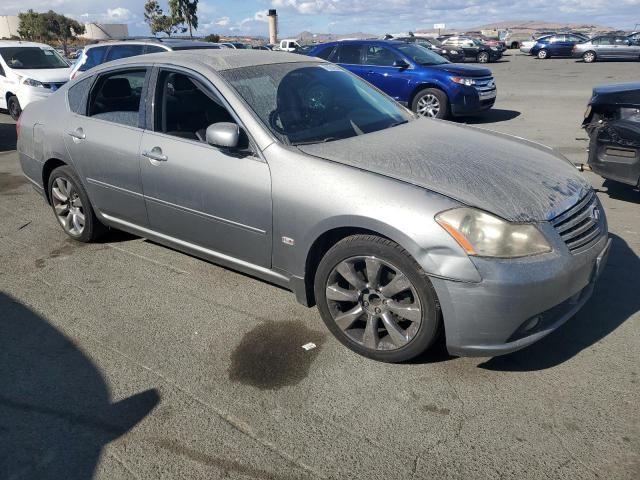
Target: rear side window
x,y
349,54
326,52
123,51
116,97
95,56
77,96
154,49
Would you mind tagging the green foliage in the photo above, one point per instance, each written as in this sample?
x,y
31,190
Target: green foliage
x,y
212,37
185,11
49,26
159,22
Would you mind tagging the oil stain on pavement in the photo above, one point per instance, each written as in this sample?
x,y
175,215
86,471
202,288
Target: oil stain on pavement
x,y
271,356
10,182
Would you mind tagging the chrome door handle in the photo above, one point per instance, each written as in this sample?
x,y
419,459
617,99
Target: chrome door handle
x,y
78,134
155,154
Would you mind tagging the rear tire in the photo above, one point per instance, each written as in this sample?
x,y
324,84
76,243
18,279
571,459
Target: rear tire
x,y
483,57
589,57
14,108
431,103
71,206
515,45
367,311
543,54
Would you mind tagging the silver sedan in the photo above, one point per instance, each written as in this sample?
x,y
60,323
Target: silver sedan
x,y
295,171
607,47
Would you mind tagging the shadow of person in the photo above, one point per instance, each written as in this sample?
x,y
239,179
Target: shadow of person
x,y
615,299
493,115
56,413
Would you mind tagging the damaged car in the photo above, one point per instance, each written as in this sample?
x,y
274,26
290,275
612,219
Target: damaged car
x,y
295,171
612,121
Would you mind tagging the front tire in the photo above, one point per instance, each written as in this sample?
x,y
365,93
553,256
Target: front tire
x,y
589,57
543,54
483,57
431,103
14,108
376,299
71,206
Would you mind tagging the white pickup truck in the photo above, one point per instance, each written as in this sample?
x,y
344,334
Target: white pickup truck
x,y
288,45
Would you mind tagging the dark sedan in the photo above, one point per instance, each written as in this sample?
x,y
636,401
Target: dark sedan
x,y
613,123
452,54
557,45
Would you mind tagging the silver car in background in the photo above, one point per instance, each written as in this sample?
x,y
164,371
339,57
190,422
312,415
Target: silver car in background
x,y
295,171
607,47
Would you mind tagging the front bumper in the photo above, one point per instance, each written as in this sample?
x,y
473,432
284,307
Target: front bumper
x,y
470,101
518,301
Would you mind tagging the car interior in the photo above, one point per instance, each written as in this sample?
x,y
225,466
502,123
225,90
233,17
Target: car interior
x,y
186,108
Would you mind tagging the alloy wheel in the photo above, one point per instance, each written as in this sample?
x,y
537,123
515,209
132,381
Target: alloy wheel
x,y
373,303
428,106
589,57
542,54
68,206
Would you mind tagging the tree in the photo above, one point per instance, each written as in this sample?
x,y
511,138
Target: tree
x,y
62,28
212,37
31,26
185,11
159,22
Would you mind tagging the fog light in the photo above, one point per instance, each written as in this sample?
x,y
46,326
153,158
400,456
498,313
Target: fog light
x,y
532,323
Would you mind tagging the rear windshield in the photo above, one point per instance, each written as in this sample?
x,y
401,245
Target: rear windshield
x,y
22,58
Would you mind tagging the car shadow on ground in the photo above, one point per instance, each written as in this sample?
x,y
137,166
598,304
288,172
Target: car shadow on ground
x,y
615,299
620,191
56,412
490,116
8,137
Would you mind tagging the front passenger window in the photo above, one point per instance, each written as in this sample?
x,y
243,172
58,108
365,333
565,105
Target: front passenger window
x,y
117,97
380,56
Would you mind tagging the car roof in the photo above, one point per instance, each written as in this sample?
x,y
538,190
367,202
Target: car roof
x,y
168,42
220,59
19,43
365,42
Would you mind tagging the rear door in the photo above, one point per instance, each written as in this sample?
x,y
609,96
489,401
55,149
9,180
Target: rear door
x,y
214,198
103,139
604,48
349,56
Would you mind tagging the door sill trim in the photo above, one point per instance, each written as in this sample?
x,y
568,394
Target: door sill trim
x,y
212,255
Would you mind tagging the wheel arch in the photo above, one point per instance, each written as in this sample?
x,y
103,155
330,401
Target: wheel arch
x,y
49,166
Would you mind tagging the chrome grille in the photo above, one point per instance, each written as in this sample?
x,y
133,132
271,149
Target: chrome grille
x,y
581,225
485,84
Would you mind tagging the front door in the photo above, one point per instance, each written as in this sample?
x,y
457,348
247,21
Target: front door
x,y
379,71
104,142
197,193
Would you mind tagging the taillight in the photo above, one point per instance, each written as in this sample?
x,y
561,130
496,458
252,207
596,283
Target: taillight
x,y
73,75
18,126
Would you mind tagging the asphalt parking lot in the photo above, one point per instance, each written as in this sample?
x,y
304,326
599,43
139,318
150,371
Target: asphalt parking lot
x,y
128,360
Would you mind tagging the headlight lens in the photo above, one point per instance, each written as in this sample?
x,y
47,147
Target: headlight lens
x,y
32,83
463,81
455,52
484,235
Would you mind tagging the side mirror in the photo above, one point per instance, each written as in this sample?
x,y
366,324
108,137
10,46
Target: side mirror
x,y
401,64
223,135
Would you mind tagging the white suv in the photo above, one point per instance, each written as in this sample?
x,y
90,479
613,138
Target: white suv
x,y
99,53
29,71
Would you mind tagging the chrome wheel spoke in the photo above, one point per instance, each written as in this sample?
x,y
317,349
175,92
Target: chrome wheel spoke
x,y
346,319
339,294
58,194
76,223
60,208
407,311
348,272
370,336
398,284
397,335
374,268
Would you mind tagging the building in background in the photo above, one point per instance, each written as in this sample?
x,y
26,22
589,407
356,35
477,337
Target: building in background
x,y
93,31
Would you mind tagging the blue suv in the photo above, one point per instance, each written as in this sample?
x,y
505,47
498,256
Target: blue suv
x,y
556,45
415,76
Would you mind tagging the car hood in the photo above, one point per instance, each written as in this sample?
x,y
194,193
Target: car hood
x,y
463,70
518,180
52,75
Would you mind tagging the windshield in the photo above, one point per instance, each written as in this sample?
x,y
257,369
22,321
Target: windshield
x,y
32,58
421,55
312,103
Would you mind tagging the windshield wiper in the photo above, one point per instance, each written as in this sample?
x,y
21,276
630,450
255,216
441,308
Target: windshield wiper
x,y
395,124
311,142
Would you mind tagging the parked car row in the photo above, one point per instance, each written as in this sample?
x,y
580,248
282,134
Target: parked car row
x,y
408,234
603,47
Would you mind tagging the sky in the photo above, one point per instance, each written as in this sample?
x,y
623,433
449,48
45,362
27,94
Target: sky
x,y
248,17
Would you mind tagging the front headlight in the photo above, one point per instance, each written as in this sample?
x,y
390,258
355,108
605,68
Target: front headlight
x,y
484,235
495,49
32,83
454,52
463,81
